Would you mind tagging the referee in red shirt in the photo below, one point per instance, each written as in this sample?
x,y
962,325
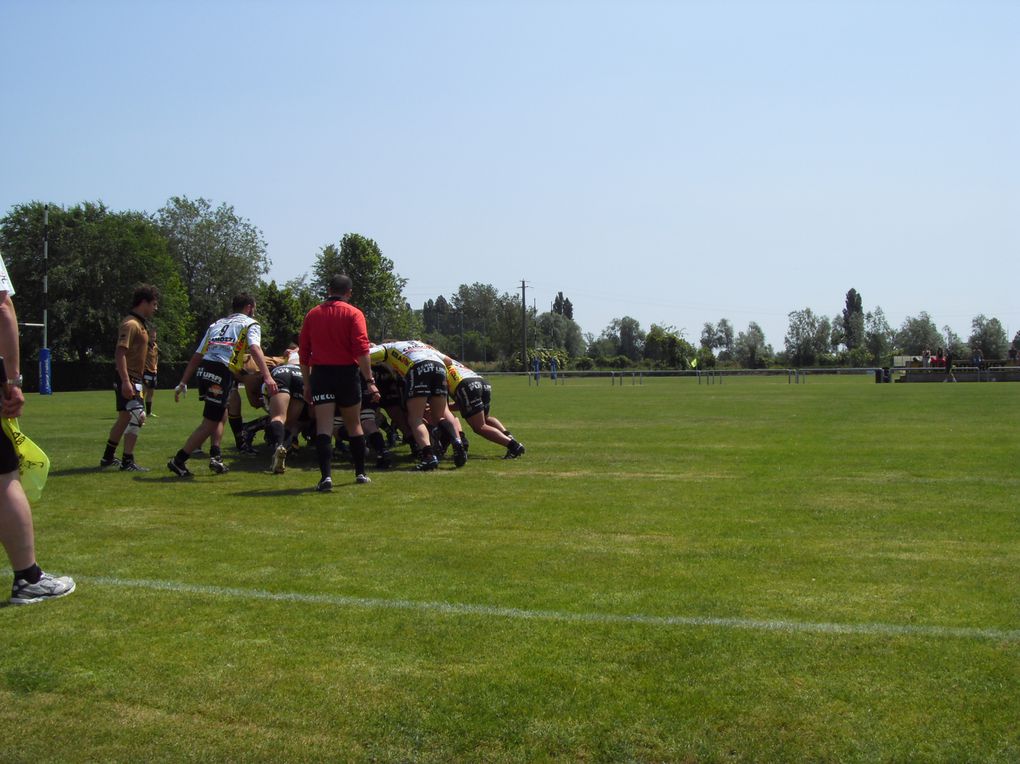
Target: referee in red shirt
x,y
333,350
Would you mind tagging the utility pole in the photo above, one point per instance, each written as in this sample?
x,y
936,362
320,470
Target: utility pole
x,y
524,325
45,368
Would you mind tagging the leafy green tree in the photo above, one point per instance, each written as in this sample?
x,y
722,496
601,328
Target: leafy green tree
x,y
443,314
718,337
954,345
96,259
917,334
562,306
807,338
558,332
428,316
218,253
667,349
709,339
281,311
378,290
506,334
624,337
852,322
878,337
750,351
988,336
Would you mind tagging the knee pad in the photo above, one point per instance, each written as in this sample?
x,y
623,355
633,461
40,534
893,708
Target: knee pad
x,y
136,409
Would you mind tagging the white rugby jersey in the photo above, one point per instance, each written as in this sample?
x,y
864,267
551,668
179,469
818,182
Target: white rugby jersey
x,y
228,339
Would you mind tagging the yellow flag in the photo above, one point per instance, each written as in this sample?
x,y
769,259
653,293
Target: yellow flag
x,y
33,463
694,362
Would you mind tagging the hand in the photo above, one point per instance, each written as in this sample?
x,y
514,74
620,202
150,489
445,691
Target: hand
x,y
127,390
272,388
180,391
13,402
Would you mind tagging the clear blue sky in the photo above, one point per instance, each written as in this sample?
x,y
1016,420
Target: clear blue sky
x,y
678,162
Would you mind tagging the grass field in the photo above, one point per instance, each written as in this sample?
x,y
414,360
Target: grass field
x,y
752,571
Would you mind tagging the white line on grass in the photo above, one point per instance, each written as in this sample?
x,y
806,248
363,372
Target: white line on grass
x,y
456,608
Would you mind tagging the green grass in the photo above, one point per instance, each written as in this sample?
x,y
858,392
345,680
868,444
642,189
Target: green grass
x,y
481,614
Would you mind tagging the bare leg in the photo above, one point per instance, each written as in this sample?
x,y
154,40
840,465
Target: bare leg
x,y
16,531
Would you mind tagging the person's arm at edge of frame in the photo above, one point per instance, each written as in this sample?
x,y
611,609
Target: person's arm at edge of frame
x,y
14,398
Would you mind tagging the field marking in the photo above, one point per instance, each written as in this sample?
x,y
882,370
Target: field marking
x,y
455,608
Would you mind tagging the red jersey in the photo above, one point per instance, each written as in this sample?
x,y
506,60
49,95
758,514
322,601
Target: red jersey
x,y
333,334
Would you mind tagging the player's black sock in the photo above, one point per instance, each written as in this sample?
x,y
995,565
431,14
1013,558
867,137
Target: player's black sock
x,y
377,442
182,457
215,452
148,408
111,450
276,433
32,574
358,453
236,424
449,431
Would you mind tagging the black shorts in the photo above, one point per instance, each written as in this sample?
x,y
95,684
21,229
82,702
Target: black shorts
x,y
288,380
149,380
473,395
214,385
122,402
425,379
9,461
336,384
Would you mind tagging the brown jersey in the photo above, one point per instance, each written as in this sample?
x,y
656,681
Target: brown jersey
x,y
134,338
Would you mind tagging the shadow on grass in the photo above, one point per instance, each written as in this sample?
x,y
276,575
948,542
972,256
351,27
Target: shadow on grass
x,y
83,471
282,492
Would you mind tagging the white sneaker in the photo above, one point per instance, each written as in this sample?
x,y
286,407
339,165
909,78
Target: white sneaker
x,y
362,478
46,588
279,464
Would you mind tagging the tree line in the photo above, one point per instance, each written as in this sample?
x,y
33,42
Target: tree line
x,y
200,254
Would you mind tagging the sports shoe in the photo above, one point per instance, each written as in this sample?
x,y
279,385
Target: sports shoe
x,y
459,455
180,470
113,461
46,588
514,450
216,465
325,485
132,466
361,478
279,463
427,464
247,449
